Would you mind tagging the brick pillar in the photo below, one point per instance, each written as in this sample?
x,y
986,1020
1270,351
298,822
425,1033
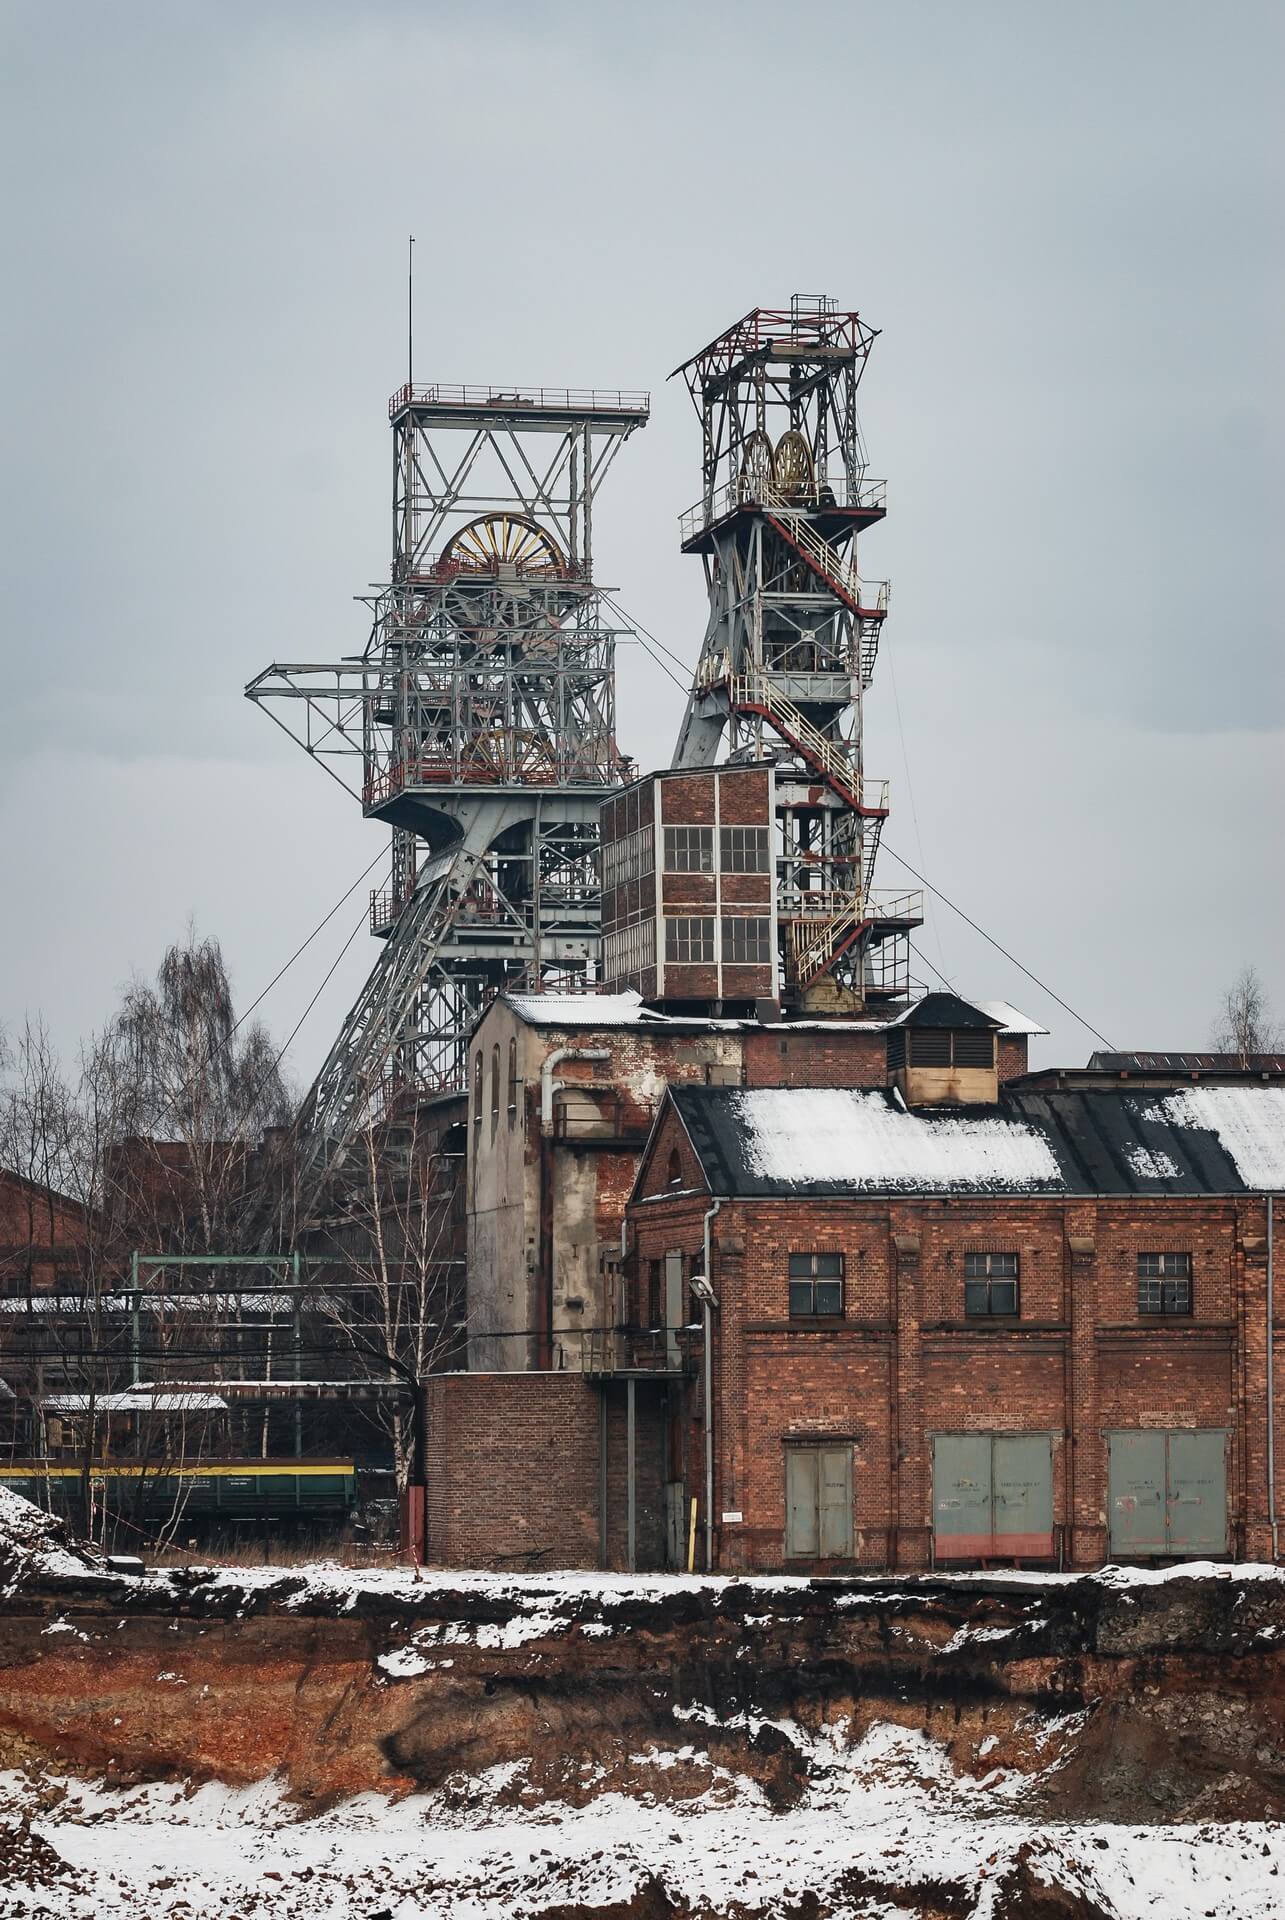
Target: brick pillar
x,y
731,1413
1086,1472
911,1502
1251,1385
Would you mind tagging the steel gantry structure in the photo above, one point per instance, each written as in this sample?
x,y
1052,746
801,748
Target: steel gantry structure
x,y
793,632
482,715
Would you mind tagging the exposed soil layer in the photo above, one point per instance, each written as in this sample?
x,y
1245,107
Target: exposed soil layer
x,y
1150,1703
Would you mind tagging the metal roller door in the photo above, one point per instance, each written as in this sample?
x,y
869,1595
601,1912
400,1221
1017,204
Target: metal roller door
x,y
992,1496
1167,1492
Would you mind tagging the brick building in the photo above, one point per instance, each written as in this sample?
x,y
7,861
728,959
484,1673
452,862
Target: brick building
x,y
564,1091
1031,1330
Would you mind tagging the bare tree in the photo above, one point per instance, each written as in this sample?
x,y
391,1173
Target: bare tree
x,y
151,1145
1245,1025
395,1296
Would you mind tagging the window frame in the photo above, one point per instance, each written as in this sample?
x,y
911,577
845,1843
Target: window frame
x,y
673,938
697,849
1162,1278
732,921
797,1280
735,854
981,1271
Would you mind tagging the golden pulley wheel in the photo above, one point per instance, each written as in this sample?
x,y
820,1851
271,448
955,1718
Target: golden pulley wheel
x,y
508,541
793,467
756,466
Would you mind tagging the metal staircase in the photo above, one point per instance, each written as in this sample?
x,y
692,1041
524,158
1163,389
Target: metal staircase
x,y
835,572
758,693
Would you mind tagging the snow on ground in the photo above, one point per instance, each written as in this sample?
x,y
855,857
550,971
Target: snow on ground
x,y
891,1809
34,1545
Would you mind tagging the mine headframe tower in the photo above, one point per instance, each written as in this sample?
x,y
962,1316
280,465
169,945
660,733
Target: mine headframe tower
x,y
793,633
482,713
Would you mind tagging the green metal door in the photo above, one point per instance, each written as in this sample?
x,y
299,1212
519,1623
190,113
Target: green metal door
x,y
963,1515
1136,1492
834,1486
1197,1493
802,1516
1022,1496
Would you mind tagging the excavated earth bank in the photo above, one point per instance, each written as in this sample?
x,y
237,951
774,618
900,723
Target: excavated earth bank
x,y
573,1745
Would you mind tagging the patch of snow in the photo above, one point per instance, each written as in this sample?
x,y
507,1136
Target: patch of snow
x,y
1148,1163
1249,1123
404,1663
856,1138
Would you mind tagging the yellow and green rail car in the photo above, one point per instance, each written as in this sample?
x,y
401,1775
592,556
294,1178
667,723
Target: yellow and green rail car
x,y
228,1490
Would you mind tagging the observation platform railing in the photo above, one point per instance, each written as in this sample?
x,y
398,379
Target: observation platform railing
x,y
577,400
866,496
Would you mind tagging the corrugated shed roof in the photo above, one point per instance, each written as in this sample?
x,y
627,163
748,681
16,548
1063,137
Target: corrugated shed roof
x,y
832,1141
627,1009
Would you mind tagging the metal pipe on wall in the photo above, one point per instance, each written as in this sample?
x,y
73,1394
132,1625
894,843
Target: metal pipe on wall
x,y
1271,1383
704,1292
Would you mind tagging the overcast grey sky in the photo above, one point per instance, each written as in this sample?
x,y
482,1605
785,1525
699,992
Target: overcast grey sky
x,y
1065,220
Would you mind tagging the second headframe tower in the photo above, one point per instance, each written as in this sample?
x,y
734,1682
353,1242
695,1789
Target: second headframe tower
x,y
793,634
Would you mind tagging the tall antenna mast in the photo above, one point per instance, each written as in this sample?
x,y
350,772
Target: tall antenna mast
x,y
410,311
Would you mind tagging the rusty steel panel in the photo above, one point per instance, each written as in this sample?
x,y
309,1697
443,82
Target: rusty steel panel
x,y
1196,1493
1136,1492
1022,1496
992,1496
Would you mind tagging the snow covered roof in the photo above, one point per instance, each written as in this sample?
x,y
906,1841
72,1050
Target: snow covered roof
x,y
136,1402
1011,1020
789,1140
627,1009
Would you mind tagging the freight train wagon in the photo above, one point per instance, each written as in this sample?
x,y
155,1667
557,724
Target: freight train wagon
x,y
230,1490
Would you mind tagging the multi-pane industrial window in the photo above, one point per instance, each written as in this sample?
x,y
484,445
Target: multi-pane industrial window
x,y
1164,1283
627,952
627,859
816,1284
747,941
744,849
689,849
990,1283
689,940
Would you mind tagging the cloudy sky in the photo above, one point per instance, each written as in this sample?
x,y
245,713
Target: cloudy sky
x,y
1066,222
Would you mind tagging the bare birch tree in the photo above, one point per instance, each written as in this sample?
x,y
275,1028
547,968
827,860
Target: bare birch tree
x,y
1245,1025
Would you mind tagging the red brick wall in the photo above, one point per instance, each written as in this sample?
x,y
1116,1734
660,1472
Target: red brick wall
x,y
904,1363
513,1471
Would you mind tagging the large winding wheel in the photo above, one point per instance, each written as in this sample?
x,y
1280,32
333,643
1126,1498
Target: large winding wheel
x,y
794,469
506,543
756,477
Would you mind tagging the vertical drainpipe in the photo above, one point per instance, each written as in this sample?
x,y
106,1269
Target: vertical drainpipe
x,y
1271,1385
707,1304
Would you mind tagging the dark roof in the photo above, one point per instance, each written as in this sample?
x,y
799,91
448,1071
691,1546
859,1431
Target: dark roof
x,y
1187,1062
946,1010
781,1141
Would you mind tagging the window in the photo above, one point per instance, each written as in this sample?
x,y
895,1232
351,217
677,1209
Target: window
x,y
495,1090
816,1284
747,941
674,1170
477,1088
990,1283
743,849
1164,1283
689,941
513,1083
689,849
